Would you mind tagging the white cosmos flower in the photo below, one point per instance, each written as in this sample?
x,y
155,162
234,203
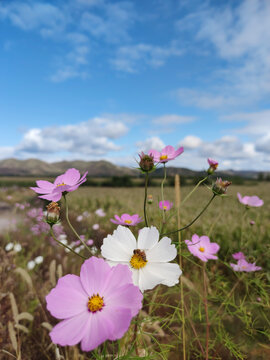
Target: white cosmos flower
x,y
9,246
148,258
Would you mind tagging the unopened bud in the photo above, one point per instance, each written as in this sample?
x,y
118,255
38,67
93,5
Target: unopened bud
x,y
213,164
146,162
150,199
53,213
220,186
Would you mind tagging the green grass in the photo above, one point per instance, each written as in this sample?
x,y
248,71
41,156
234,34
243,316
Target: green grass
x,y
240,330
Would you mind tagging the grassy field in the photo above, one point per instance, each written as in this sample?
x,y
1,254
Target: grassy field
x,y
238,303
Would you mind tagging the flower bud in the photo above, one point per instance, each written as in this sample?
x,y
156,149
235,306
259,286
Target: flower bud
x,y
53,213
220,186
213,164
146,162
150,199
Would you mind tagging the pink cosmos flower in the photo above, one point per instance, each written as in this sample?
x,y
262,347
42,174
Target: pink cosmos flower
x,y
166,205
212,163
127,220
243,265
67,182
166,154
202,247
238,256
250,200
95,306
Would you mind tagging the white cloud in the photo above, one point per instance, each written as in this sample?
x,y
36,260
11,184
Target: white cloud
x,y
131,57
150,143
190,142
172,119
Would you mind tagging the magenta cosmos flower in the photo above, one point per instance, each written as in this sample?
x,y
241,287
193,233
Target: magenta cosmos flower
x,y
165,205
166,154
127,220
95,306
250,200
67,182
243,265
213,163
202,247
238,256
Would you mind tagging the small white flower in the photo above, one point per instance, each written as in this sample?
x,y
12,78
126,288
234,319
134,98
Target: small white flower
x,y
64,241
148,258
86,214
31,264
17,247
94,250
77,249
9,246
95,227
62,237
39,259
79,218
100,212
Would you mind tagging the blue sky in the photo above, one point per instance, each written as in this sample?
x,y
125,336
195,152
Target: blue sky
x,y
100,79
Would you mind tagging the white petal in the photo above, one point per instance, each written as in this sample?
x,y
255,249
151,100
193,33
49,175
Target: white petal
x,y
163,251
119,246
167,273
148,237
147,280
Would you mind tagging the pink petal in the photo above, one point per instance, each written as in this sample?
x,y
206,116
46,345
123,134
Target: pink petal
x,y
52,197
59,180
46,185
72,330
68,298
156,154
179,151
93,275
121,318
71,176
127,296
40,191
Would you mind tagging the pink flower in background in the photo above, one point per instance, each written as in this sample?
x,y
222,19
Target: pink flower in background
x,y
166,154
250,200
96,306
90,242
95,227
100,213
243,265
67,182
252,222
212,163
126,219
165,205
238,256
202,247
36,213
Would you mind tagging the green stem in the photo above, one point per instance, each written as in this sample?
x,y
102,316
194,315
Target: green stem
x,y
206,311
67,247
193,221
145,198
72,228
162,193
192,191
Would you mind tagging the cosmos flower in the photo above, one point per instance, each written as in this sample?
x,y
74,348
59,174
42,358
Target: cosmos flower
x,y
67,182
127,220
202,248
95,227
166,154
166,205
96,306
250,200
100,213
243,265
213,164
148,258
238,256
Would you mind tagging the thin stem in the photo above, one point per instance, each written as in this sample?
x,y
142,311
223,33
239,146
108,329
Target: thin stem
x,y
193,221
135,334
194,330
206,311
162,193
227,297
72,228
192,191
67,247
145,197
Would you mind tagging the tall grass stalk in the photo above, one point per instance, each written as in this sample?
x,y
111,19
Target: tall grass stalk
x,y
206,311
182,309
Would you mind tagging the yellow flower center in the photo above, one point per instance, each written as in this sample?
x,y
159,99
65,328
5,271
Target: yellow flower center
x,y
164,207
201,249
63,184
244,267
163,157
95,303
138,260
128,221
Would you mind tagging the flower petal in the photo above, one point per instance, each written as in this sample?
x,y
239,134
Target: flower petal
x,y
148,237
40,191
71,176
119,275
72,330
52,197
167,274
46,185
163,251
68,298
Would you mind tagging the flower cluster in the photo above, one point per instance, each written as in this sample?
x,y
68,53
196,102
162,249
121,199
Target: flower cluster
x,y
242,264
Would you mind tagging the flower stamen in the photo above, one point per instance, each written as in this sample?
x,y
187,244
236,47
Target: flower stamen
x,y
163,157
95,303
63,184
201,249
138,260
128,221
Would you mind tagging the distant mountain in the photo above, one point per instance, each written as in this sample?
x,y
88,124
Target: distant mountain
x,y
102,168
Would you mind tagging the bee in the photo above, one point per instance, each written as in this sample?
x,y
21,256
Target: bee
x,y
140,253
